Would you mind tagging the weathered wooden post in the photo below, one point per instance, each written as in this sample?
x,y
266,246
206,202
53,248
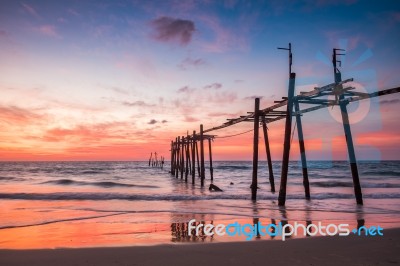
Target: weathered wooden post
x,y
352,156
202,170
286,145
187,158
172,157
178,143
306,183
254,183
347,132
267,150
211,160
188,154
198,160
194,156
151,156
288,129
182,156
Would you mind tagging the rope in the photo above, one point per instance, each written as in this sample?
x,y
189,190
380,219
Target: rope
x,y
234,134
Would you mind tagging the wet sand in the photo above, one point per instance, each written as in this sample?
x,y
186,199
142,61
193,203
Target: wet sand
x,y
350,250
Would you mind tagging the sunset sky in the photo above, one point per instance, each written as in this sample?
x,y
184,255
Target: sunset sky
x,y
115,80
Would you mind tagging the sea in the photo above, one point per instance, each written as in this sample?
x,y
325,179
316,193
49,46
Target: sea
x,y
92,204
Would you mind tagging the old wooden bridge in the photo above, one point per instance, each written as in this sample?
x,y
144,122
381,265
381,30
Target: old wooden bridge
x,y
185,149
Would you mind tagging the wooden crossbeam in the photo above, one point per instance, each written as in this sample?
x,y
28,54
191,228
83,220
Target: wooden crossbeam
x,y
360,96
317,90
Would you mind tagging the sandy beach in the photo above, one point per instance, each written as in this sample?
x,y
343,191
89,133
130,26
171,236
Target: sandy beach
x,y
351,250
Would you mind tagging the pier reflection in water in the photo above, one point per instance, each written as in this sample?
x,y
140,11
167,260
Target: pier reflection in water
x,y
180,232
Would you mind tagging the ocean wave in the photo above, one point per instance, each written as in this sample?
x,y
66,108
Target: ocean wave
x,y
379,172
348,184
232,167
172,197
331,184
380,185
11,178
105,184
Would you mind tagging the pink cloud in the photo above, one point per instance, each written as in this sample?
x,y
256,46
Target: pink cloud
x,y
74,12
48,30
223,114
189,63
191,119
95,133
186,89
215,86
30,10
224,38
17,115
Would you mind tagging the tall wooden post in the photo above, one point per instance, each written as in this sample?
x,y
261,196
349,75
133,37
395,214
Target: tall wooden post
x,y
347,132
254,183
202,170
286,145
267,150
198,160
187,158
306,183
182,156
211,160
178,158
172,157
194,157
352,156
151,156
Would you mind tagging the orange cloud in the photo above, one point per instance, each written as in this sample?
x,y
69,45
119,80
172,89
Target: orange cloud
x,y
14,114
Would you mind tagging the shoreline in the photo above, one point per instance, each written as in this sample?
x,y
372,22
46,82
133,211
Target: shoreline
x,y
354,250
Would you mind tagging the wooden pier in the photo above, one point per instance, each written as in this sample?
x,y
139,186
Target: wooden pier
x,y
185,148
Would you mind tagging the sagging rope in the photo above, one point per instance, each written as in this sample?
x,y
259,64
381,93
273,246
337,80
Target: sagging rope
x,y
229,136
234,135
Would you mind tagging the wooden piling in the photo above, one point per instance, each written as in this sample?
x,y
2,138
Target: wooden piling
x,y
306,183
268,152
254,183
174,161
177,156
182,156
286,145
151,156
198,160
352,156
189,154
211,161
193,157
202,169
187,157
172,158
347,133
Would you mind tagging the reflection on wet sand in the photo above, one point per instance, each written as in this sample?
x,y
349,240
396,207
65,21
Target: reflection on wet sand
x,y
180,232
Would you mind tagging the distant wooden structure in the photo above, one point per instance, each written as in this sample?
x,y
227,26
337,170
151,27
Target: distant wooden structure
x,y
185,148
154,162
